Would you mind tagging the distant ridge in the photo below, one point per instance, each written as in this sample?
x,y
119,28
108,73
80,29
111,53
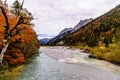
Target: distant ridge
x,y
67,31
100,37
92,32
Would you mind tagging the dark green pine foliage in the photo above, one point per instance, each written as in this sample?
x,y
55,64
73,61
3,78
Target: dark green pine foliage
x,y
102,29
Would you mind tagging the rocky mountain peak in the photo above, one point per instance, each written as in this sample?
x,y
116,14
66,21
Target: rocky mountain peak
x,y
81,23
65,30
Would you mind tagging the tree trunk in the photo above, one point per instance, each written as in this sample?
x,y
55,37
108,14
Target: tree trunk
x,y
4,48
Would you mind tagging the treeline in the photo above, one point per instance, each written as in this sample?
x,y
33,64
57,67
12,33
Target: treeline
x,y
101,36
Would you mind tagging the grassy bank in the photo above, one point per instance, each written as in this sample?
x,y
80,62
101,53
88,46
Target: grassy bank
x,y
110,53
10,74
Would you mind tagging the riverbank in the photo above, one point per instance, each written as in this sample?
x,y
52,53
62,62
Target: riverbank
x,y
44,67
10,74
65,54
74,55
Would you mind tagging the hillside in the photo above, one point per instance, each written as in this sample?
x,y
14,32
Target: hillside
x,y
103,29
43,41
101,36
59,37
67,31
81,24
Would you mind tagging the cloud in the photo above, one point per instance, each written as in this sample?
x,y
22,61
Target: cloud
x,y
55,15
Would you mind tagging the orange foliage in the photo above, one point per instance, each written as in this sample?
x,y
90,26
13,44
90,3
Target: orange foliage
x,y
108,33
14,55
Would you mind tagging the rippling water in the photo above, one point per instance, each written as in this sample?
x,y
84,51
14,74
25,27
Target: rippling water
x,y
45,68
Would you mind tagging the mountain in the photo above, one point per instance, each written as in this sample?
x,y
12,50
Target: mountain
x,y
81,23
44,41
101,36
67,31
101,30
60,36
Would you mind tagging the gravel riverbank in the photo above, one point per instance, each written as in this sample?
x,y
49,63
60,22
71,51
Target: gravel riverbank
x,y
68,55
63,63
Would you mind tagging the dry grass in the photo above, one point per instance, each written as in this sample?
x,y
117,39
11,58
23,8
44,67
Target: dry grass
x,y
111,53
10,74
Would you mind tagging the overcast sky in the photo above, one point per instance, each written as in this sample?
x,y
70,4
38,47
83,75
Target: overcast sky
x,y
51,16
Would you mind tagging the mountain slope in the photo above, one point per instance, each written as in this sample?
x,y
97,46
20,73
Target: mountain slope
x,y
103,29
100,37
81,23
44,41
59,37
67,31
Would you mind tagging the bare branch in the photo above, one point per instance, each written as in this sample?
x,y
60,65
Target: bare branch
x,y
18,23
6,19
22,4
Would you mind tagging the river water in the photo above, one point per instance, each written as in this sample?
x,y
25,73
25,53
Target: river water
x,y
45,68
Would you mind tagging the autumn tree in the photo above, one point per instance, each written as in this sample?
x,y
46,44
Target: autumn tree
x,y
21,17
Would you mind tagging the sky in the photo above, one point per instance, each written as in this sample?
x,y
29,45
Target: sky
x,y
52,16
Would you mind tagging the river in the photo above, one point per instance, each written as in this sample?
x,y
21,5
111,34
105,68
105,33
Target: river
x,y
46,68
